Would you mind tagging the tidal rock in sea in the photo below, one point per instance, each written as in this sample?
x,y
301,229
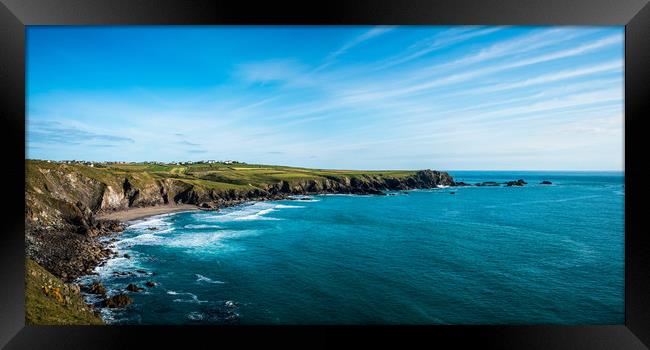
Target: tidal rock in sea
x,y
117,301
152,228
461,183
127,256
545,182
150,284
488,183
452,192
122,273
133,288
97,288
519,182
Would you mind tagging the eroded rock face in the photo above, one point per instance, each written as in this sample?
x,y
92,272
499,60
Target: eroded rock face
x,y
96,288
113,199
63,198
118,301
362,184
67,255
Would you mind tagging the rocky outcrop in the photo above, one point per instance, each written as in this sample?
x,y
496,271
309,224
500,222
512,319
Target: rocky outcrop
x,y
545,182
363,184
519,182
96,288
133,288
488,183
117,301
67,255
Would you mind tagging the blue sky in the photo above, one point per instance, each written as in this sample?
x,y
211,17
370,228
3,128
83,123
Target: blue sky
x,y
353,97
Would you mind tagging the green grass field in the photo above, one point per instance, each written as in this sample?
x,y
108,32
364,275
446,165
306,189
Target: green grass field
x,y
212,176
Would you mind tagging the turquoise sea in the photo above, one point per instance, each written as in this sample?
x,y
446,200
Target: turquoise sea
x,y
538,254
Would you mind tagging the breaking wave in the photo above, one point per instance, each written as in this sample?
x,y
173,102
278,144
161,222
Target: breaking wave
x,y
201,278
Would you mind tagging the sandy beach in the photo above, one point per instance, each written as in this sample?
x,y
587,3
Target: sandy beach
x,y
140,213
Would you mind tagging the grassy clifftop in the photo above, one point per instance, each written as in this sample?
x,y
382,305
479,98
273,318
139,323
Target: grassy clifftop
x,y
216,176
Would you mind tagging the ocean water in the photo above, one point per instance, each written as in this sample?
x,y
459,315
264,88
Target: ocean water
x,y
539,254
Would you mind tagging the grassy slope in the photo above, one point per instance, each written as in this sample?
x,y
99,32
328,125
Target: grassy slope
x,y
212,176
48,301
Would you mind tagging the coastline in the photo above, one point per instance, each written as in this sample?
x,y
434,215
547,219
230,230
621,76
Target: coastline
x,y
72,209
132,214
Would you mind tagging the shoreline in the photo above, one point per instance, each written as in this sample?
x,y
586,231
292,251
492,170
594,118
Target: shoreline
x,y
132,214
128,216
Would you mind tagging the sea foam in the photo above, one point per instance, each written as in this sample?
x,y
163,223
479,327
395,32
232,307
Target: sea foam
x,y
201,278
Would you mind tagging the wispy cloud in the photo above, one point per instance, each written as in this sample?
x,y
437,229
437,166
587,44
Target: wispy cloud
x,y
370,34
271,71
54,132
451,37
187,143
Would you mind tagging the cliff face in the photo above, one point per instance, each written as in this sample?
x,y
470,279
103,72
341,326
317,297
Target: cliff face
x,y
61,197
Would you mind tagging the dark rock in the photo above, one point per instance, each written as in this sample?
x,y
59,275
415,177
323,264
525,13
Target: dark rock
x,y
117,301
488,183
97,288
545,182
141,271
206,205
127,256
123,273
152,228
519,182
133,288
452,192
150,284
461,183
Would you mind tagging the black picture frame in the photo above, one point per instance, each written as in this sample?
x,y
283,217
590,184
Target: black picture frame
x,y
16,14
